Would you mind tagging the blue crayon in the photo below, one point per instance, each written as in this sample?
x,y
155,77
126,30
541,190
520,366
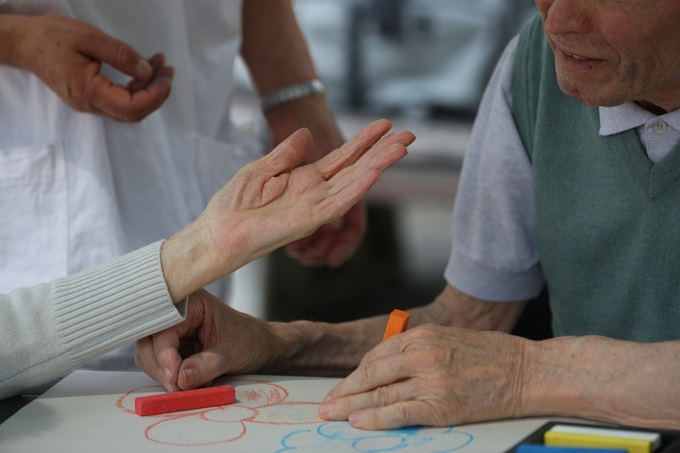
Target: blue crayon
x,y
535,448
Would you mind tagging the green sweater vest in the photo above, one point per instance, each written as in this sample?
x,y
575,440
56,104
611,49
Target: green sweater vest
x,y
608,220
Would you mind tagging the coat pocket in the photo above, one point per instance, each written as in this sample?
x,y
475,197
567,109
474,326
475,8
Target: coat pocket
x,y
33,205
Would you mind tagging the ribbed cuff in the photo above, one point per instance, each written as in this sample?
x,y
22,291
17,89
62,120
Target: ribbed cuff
x,y
108,306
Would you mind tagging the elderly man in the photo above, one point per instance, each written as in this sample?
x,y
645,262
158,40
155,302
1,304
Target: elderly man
x,y
572,181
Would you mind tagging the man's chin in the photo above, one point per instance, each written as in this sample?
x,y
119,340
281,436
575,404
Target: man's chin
x,y
589,95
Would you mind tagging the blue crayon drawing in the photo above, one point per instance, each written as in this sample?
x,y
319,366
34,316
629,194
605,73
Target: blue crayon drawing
x,y
340,434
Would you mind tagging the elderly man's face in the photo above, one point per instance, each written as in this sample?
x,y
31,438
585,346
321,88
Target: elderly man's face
x,y
611,51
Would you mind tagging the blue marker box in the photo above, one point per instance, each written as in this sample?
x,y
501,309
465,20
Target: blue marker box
x,y
670,440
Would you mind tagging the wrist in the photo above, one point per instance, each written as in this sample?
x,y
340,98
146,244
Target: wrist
x,y
321,348
549,379
189,262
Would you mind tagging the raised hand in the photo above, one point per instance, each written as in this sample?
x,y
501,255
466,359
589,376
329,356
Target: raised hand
x,y
273,201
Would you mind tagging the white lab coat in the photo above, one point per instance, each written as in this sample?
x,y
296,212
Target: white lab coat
x,y
77,190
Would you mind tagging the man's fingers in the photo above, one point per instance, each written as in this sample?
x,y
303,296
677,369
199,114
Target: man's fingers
x,y
100,46
120,104
379,157
157,62
376,160
394,416
351,185
145,359
287,155
200,369
166,351
332,163
381,408
158,356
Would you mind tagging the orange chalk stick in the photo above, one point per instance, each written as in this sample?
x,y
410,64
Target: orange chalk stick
x,y
397,323
186,400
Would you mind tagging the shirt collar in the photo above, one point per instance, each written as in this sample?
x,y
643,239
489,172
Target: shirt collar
x,y
629,115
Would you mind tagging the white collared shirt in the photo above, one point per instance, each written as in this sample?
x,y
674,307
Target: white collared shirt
x,y
658,133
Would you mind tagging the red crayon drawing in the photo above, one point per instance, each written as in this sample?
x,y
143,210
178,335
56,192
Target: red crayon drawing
x,y
257,401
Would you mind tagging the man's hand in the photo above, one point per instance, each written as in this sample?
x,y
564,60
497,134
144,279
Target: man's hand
x,y
68,54
276,200
431,375
221,339
334,243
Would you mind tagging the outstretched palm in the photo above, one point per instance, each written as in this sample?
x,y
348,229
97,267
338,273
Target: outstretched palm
x,y
273,200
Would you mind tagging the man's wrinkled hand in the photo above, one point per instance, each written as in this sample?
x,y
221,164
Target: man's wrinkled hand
x,y
68,55
431,375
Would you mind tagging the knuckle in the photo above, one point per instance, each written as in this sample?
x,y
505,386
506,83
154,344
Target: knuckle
x,y
124,54
77,97
427,330
85,34
426,359
437,415
401,413
381,396
365,369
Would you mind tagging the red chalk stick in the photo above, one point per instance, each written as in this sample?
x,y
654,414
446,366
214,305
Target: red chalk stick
x,y
186,400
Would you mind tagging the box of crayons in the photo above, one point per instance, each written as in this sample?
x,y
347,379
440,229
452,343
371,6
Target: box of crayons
x,y
559,437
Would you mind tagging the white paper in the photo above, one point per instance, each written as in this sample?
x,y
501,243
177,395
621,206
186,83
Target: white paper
x,y
93,411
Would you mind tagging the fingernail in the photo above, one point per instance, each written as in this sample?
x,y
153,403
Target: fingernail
x,y
325,409
354,419
144,67
159,80
189,378
168,374
168,387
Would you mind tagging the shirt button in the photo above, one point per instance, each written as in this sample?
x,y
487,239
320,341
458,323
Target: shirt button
x,y
660,127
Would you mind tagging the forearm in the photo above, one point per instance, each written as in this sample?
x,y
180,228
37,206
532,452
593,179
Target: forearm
x,y
276,54
336,349
603,379
325,349
454,308
273,46
54,327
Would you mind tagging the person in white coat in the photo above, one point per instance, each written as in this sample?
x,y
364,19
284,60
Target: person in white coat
x,y
104,148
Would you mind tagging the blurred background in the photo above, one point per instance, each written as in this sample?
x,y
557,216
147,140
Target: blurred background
x,y
423,64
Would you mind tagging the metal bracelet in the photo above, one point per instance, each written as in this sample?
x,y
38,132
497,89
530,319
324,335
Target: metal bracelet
x,y
314,87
